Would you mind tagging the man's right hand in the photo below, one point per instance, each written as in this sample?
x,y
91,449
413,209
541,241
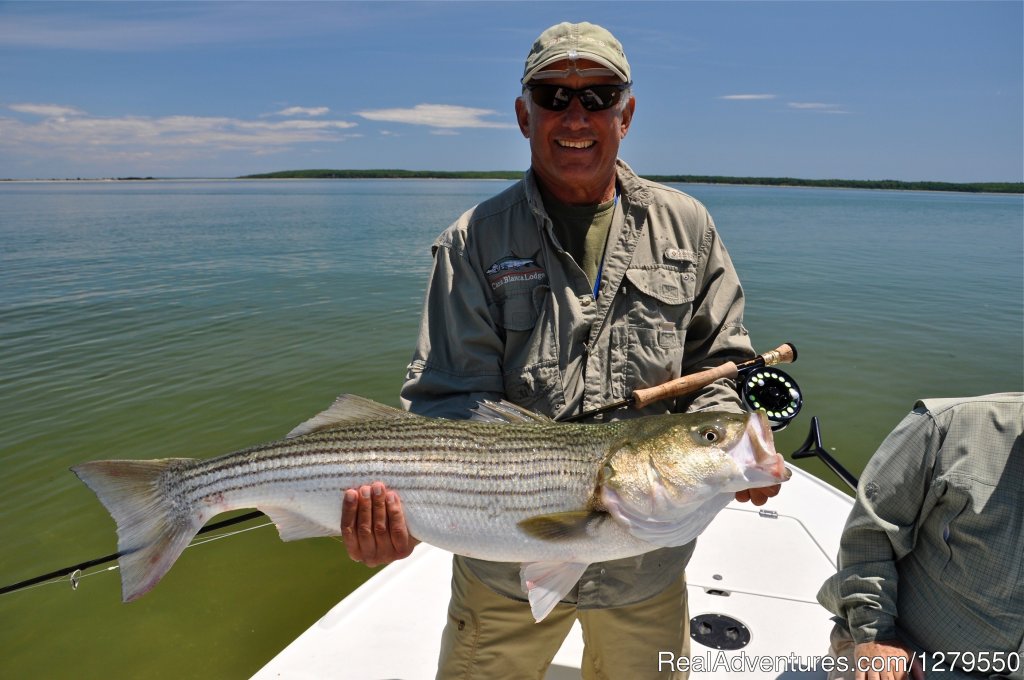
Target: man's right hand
x,y
373,526
886,654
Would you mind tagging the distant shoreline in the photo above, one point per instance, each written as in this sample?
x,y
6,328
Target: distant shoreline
x,y
885,184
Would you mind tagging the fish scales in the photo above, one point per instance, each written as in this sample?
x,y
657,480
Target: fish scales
x,y
352,455
474,479
434,471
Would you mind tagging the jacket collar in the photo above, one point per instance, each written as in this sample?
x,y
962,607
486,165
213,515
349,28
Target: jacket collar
x,y
633,191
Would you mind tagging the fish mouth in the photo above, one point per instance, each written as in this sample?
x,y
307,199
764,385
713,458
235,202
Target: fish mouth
x,y
762,445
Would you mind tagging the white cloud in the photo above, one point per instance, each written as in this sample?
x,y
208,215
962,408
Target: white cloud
x,y
66,130
818,107
303,111
150,27
46,110
436,115
747,97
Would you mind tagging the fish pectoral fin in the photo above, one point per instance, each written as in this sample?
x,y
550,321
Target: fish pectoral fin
x,y
506,412
562,526
547,583
346,409
309,521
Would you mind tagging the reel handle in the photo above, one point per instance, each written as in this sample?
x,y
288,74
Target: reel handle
x,y
771,390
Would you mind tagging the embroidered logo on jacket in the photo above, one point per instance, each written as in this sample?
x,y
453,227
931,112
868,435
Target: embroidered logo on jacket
x,y
513,269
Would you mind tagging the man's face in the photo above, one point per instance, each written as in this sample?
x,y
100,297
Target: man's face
x,y
573,151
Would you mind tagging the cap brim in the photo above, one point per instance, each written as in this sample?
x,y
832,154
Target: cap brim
x,y
586,56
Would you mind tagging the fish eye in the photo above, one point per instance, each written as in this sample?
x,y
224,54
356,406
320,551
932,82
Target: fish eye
x,y
710,434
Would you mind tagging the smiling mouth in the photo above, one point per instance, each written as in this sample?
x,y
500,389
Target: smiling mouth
x,y
575,144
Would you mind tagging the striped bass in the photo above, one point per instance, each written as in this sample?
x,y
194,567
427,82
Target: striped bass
x,y
512,486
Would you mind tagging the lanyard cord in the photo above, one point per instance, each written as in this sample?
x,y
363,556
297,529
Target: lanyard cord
x,y
600,267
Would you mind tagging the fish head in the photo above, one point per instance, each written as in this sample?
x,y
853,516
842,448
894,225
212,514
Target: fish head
x,y
665,467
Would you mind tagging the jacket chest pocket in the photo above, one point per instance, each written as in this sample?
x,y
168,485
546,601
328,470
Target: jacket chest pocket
x,y
518,311
531,373
659,305
664,286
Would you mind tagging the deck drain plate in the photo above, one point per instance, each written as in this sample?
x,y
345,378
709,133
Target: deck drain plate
x,y
719,631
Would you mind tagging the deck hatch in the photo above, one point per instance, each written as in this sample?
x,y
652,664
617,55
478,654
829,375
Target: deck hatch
x,y
719,631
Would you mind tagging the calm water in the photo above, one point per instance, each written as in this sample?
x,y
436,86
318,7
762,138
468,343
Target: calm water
x,y
192,318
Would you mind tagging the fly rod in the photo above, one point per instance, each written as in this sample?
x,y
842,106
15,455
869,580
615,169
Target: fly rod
x,y
778,388
67,571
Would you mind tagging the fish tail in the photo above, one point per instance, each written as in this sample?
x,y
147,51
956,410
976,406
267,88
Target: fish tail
x,y
153,526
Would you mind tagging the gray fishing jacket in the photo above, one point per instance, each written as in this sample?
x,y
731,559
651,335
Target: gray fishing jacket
x,y
510,315
931,553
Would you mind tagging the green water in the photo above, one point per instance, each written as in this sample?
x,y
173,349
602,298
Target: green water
x,y
192,318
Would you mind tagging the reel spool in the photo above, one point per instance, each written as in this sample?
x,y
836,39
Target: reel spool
x,y
772,390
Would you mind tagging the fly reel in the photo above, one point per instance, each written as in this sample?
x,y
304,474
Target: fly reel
x,y
772,390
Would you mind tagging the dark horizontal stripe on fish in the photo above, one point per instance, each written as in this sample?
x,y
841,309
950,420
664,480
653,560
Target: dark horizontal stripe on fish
x,y
236,464
517,482
414,445
278,459
534,506
530,506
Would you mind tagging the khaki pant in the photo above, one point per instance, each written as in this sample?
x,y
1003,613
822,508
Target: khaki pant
x,y
490,636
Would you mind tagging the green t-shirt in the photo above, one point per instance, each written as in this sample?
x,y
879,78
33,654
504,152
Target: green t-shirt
x,y
582,231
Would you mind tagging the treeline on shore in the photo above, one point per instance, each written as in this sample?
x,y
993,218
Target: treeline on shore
x,y
890,184
388,174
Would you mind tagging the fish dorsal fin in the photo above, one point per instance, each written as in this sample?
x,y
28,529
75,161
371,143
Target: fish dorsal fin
x,y
506,412
346,409
563,526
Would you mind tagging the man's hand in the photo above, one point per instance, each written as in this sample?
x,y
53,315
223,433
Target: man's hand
x,y
758,496
373,526
892,656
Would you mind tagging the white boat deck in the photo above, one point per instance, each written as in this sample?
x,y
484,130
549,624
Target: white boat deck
x,y
761,568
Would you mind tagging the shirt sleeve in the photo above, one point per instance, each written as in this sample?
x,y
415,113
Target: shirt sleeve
x,y
893,499
458,355
715,334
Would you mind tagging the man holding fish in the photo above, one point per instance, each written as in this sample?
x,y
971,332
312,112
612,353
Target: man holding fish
x,y
575,288
564,293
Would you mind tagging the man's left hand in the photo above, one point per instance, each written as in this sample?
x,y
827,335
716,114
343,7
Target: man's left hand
x,y
758,496
373,526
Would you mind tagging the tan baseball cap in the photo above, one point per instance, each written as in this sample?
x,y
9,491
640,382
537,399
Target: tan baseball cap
x,y
574,42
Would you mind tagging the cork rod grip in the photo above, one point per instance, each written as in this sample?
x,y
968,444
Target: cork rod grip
x,y
683,385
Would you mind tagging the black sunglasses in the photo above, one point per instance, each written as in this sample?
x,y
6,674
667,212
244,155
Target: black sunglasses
x,y
593,98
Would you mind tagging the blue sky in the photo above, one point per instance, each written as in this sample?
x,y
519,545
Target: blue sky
x,y
858,90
